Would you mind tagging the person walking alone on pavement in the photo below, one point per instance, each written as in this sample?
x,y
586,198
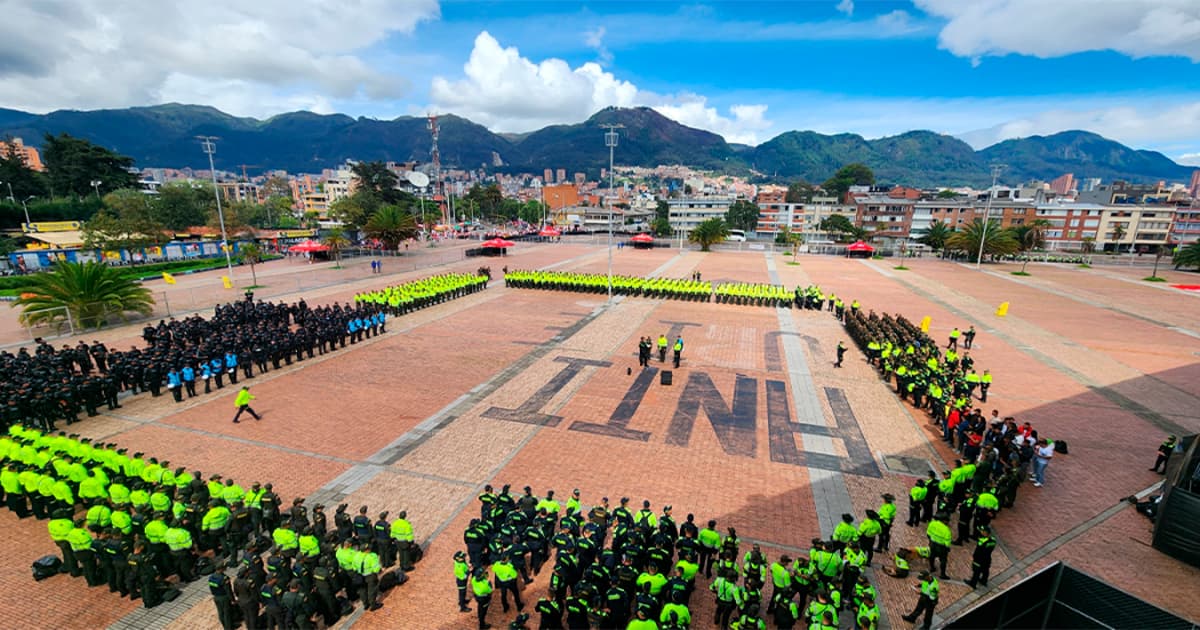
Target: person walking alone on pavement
x,y
242,402
841,352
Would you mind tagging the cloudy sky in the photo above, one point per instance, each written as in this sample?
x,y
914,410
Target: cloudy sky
x,y
983,70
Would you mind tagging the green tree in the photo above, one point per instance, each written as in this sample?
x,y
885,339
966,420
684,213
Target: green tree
x,y
709,233
376,178
356,209
742,215
336,241
661,226
487,199
662,210
800,192
91,292
946,193
14,172
856,174
127,222
74,163
180,205
1087,244
786,236
531,212
251,254
1187,256
935,235
997,242
277,186
391,225
836,224
1118,233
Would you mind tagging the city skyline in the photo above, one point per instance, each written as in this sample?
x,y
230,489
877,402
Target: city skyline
x,y
983,72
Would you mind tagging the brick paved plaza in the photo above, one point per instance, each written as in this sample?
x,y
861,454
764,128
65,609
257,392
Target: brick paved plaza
x,y
758,430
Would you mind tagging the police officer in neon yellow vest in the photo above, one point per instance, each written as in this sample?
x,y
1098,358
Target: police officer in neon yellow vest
x,y
242,402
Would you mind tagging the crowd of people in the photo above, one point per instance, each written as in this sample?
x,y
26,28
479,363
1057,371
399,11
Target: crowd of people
x,y
996,455
194,355
411,296
141,528
242,338
614,567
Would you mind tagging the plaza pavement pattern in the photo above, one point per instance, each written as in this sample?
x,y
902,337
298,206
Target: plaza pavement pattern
x,y
757,431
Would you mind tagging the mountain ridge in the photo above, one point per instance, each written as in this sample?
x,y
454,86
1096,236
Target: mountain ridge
x,y
164,136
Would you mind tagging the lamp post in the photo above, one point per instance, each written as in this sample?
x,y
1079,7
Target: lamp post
x,y
95,186
207,145
987,213
610,141
10,194
26,208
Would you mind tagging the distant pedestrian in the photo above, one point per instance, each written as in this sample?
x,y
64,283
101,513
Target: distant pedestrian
x,y
1042,453
1164,454
678,348
242,402
841,352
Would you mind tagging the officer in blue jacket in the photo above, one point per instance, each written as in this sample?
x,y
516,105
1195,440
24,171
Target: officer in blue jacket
x,y
188,374
175,384
218,371
206,374
231,363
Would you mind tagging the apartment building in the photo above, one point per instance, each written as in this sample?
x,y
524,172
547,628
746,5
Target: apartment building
x,y
1124,228
688,212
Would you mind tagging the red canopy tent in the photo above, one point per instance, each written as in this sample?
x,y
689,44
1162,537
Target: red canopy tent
x,y
860,249
642,240
549,230
497,243
308,246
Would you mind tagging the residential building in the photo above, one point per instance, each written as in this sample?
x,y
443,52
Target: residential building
x,y
1069,223
1194,187
1126,228
580,179
548,176
1124,192
240,191
1063,184
1185,229
770,196
29,155
688,212
561,176
883,216
774,216
315,202
815,213
560,196
955,213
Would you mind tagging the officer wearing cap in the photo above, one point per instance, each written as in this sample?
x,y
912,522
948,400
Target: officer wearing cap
x,y
462,573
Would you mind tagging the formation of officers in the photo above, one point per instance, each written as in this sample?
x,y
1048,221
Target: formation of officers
x,y
129,523
242,338
692,290
411,296
614,567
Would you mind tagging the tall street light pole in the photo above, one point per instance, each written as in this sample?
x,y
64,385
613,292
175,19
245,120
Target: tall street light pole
x,y
26,208
987,213
209,147
610,141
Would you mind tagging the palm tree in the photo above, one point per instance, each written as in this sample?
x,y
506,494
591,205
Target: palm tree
x,y
935,235
997,242
1030,236
87,292
252,255
391,226
336,241
1087,244
709,232
1187,256
1118,233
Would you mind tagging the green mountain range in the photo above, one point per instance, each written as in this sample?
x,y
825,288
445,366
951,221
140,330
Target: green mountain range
x,y
304,142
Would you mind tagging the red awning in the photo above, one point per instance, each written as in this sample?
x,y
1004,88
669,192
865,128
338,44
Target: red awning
x,y
549,230
643,238
497,243
308,246
859,246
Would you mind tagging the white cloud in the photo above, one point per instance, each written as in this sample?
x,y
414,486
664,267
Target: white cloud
x,y
595,40
846,6
125,52
1041,28
508,92
1146,124
1190,159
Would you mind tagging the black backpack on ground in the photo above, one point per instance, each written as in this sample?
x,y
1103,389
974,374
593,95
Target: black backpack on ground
x,y
45,567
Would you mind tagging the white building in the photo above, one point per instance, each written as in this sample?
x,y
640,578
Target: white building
x,y
685,214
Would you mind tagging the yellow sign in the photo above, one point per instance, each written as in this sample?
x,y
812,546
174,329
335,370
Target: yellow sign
x,y
296,233
227,282
51,226
925,323
168,278
1003,310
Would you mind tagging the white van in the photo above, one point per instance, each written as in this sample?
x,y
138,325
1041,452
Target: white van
x,y
737,236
